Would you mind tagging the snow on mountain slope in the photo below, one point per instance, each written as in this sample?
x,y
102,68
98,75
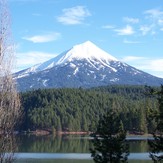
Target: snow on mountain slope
x,y
86,50
84,65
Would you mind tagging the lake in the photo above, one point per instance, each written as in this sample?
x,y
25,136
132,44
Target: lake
x,y
70,149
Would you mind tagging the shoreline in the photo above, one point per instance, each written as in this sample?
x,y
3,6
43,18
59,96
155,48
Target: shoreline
x,y
49,132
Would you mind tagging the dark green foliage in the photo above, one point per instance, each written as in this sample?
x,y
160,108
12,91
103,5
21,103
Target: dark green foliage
x,y
109,140
156,145
80,109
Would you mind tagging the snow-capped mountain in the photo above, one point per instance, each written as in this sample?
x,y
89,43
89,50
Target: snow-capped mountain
x,y
87,51
84,65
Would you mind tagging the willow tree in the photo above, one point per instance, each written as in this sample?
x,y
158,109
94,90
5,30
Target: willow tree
x,y
9,98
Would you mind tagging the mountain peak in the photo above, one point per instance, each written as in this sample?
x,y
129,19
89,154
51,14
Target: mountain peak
x,y
84,65
90,50
86,44
86,50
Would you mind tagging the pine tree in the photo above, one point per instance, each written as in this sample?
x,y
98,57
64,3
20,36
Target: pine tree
x,y
109,140
156,145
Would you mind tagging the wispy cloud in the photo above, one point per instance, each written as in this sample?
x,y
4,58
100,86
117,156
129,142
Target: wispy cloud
x,y
132,58
43,38
128,30
36,14
131,20
156,65
74,15
126,41
154,14
160,22
151,65
27,59
153,22
145,29
32,1
108,26
23,0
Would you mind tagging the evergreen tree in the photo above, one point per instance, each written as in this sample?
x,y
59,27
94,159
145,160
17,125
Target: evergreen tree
x,y
109,144
156,146
80,110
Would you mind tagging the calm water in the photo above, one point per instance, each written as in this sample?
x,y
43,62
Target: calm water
x,y
70,149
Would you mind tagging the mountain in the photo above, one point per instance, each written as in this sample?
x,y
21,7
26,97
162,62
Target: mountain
x,y
84,65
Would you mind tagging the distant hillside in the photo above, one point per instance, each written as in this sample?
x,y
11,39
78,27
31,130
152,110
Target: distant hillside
x,y
80,109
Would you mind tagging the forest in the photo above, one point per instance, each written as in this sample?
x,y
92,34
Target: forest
x,y
78,109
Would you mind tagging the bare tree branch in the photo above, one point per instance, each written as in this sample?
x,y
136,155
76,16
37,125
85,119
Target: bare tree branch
x,y
9,98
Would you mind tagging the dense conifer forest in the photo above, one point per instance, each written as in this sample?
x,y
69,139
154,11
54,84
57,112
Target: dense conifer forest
x,y
72,109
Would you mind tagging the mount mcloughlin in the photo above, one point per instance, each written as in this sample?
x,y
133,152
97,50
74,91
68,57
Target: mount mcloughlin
x,y
84,65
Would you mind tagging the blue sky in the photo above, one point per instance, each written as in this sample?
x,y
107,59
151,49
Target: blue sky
x,y
130,30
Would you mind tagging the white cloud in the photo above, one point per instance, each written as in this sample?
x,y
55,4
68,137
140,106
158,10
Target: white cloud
x,y
74,15
128,30
43,38
156,65
27,59
131,20
155,18
150,65
160,22
151,24
132,58
154,14
146,29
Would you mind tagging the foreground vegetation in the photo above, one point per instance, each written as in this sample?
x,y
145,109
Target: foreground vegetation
x,y
109,140
69,109
10,112
156,145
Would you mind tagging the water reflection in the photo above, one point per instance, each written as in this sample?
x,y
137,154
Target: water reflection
x,y
72,161
67,144
53,144
58,161
69,149
138,146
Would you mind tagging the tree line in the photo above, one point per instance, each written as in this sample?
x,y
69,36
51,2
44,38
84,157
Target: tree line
x,y
77,109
